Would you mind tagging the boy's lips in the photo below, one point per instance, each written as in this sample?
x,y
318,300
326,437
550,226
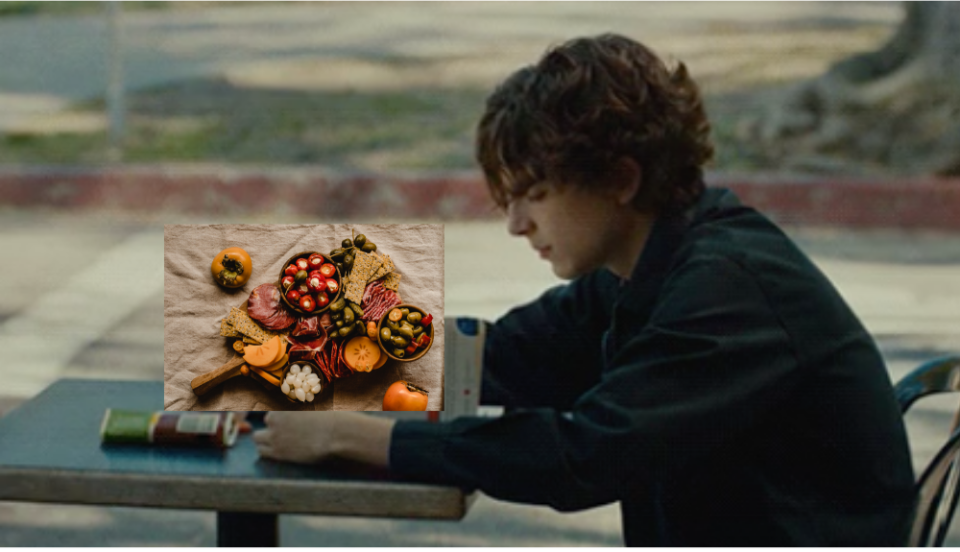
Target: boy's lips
x,y
544,251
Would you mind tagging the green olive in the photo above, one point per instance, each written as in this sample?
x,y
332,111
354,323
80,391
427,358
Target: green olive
x,y
394,326
369,247
348,316
417,330
359,241
348,260
347,243
340,266
339,323
399,342
337,253
336,316
405,311
406,332
300,276
414,317
399,353
385,334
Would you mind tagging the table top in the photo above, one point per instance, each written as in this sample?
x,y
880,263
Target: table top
x,y
50,451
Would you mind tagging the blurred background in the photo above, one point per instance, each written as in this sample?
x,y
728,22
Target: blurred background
x,y
840,119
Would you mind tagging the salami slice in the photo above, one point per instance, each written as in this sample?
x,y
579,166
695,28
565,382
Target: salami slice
x,y
377,300
266,307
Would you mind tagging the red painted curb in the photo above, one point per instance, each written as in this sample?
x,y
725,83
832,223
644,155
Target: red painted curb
x,y
212,190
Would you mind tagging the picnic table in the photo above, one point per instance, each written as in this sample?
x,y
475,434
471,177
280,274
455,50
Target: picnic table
x,y
50,451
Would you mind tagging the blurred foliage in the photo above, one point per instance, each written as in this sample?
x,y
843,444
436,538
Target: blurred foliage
x,y
213,121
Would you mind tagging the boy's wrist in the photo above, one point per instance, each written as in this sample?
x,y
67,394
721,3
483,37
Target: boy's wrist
x,y
364,439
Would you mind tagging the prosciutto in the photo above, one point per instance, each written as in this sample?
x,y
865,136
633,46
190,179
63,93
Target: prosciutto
x,y
266,307
377,300
306,349
308,326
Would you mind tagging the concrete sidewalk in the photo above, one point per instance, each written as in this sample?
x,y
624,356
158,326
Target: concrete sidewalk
x,y
906,287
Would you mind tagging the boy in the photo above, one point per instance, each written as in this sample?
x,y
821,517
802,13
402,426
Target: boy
x,y
698,368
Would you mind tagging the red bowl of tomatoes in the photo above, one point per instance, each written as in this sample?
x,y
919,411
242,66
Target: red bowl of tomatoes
x,y
309,282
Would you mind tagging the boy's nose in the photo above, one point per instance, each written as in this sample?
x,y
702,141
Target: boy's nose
x,y
518,223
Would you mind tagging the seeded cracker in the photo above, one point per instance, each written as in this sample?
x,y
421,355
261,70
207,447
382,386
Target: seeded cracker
x,y
392,281
387,267
239,322
227,329
365,265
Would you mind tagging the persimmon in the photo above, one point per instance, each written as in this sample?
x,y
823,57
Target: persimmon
x,y
404,396
232,267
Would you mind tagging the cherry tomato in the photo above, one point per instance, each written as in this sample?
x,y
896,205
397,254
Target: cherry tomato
x,y
404,396
307,303
328,270
333,287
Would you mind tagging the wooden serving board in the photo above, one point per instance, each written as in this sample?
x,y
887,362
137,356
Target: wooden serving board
x,y
205,382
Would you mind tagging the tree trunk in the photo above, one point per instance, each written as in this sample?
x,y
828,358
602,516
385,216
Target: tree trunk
x,y
897,108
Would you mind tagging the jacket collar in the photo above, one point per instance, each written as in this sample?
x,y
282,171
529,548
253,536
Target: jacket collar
x,y
659,253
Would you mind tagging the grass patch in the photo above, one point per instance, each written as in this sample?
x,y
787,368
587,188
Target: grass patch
x,y
216,122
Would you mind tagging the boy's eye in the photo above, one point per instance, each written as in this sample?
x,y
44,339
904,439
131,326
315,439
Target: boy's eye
x,y
536,194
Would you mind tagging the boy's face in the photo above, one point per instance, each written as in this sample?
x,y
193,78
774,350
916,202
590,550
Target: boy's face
x,y
574,229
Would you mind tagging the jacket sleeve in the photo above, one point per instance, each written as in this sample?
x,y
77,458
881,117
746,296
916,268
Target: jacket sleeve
x,y
710,362
547,353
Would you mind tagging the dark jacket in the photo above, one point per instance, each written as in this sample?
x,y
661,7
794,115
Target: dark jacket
x,y
725,395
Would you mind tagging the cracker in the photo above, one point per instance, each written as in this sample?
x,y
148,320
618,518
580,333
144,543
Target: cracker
x,y
365,265
241,323
251,341
386,268
392,281
227,329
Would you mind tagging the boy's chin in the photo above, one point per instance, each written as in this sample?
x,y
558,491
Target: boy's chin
x,y
566,272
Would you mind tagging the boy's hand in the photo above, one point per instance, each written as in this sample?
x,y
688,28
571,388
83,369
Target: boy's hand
x,y
308,437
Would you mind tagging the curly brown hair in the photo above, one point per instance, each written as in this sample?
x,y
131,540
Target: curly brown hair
x,y
584,106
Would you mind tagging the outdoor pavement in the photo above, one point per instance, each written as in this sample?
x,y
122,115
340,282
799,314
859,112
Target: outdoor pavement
x,y
61,269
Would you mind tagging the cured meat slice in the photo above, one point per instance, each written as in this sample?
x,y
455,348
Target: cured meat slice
x,y
307,327
306,349
266,307
377,300
326,322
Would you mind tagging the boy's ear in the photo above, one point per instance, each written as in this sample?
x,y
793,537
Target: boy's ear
x,y
629,179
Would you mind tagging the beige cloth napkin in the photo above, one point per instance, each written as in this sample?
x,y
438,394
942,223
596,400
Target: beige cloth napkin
x,y
193,305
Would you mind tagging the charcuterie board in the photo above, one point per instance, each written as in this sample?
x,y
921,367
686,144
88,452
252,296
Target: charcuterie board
x,y
311,328
199,313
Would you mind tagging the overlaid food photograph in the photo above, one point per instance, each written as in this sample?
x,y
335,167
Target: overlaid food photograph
x,y
264,317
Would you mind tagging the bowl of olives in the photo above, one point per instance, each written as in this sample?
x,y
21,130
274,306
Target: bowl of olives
x,y
405,333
